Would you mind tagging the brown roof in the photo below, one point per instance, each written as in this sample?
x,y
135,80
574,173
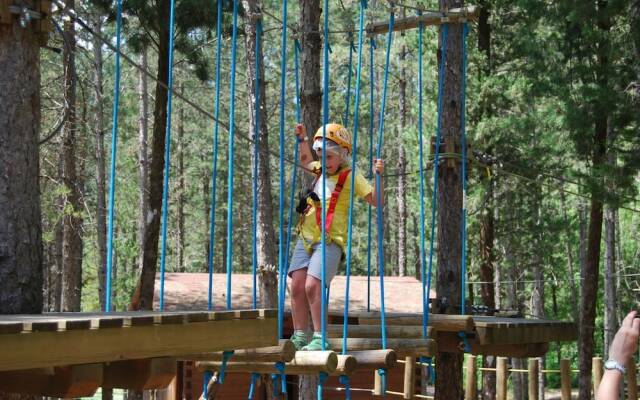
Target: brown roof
x,y
188,291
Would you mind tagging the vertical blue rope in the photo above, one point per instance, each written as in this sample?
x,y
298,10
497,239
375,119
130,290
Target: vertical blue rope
x,y
325,120
378,183
256,148
372,43
463,141
112,168
356,122
436,161
232,126
167,157
382,372
214,167
347,100
281,239
423,272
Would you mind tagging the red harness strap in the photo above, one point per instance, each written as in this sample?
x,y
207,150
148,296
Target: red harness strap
x,y
342,178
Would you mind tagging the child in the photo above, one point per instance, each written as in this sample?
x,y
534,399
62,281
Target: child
x,y
306,264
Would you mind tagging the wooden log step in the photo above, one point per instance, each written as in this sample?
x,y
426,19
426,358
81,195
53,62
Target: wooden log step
x,y
284,352
374,331
375,359
64,382
402,347
304,363
439,322
144,374
451,342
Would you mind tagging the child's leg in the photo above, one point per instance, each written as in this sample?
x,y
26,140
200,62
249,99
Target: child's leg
x,y
299,303
313,287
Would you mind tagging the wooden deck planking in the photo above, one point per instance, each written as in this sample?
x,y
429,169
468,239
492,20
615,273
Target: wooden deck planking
x,y
47,340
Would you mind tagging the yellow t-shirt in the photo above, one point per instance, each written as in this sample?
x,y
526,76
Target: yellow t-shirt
x,y
308,228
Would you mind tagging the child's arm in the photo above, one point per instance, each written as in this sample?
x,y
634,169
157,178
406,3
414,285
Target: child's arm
x,y
372,198
305,156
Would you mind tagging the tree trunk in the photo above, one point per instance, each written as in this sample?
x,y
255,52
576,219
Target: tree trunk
x,y
156,169
20,223
181,190
591,271
143,161
487,288
537,291
569,249
402,163
448,284
72,208
99,129
610,295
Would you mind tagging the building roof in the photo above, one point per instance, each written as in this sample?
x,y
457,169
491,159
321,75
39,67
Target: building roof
x,y
188,291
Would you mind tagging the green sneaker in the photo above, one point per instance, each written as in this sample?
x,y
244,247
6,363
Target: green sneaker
x,y
299,340
316,344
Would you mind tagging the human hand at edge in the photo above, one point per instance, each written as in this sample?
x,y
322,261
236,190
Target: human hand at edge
x,y
378,166
625,342
300,131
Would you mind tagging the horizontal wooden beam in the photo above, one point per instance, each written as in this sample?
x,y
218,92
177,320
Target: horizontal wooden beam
x,y
38,349
451,343
453,16
304,363
402,347
375,359
283,352
64,382
439,322
144,374
374,331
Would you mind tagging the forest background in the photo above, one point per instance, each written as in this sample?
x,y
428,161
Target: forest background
x,y
546,81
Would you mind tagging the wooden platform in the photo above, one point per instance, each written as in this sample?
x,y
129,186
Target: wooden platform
x,y
61,339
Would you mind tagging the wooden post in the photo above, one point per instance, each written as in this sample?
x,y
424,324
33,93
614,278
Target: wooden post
x,y
632,380
533,379
471,386
501,378
565,379
409,377
596,372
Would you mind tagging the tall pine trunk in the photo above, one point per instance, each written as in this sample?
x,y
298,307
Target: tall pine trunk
x,y
72,208
448,285
101,209
143,159
181,190
402,163
144,300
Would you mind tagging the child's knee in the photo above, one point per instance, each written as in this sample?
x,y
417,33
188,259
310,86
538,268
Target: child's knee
x,y
298,279
312,287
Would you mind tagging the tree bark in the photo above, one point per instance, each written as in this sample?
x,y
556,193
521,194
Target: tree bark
x,y
448,284
610,295
20,223
101,208
143,159
598,159
402,162
72,207
569,249
156,170
181,190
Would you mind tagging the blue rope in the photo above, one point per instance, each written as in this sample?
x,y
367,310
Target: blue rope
x,y
356,122
463,141
372,46
378,185
325,121
112,169
436,161
226,355
281,239
214,174
347,99
383,380
282,377
344,381
167,157
256,148
232,125
282,282
254,378
425,295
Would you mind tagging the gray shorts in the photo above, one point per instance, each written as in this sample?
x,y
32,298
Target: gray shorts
x,y
313,262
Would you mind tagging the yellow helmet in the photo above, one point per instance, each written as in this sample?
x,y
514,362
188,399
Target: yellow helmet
x,y
337,134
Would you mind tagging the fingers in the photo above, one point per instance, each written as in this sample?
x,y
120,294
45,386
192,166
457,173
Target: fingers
x,y
628,320
299,129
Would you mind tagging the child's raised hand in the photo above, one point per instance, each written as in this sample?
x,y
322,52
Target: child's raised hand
x,y
378,166
300,131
